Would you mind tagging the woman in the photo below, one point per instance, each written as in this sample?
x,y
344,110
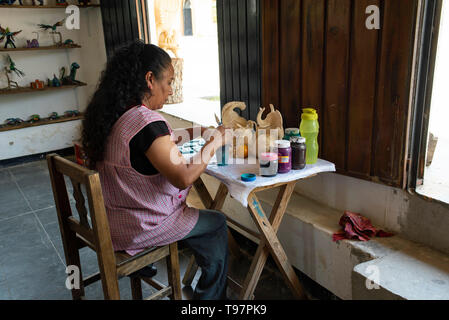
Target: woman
x,y
145,183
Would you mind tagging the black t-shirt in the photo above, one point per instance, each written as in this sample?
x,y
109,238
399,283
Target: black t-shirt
x,y
140,143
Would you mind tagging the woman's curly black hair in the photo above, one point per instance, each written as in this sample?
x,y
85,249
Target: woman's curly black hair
x,y
122,86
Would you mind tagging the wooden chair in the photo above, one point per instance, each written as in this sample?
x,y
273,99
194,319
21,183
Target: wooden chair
x,y
78,233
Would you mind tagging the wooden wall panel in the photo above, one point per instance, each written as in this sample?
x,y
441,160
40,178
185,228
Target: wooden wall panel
x,y
270,51
120,22
290,62
312,66
338,30
239,48
362,91
393,93
358,79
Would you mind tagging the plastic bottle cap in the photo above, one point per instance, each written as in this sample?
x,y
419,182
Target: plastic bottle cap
x,y
292,131
248,177
282,143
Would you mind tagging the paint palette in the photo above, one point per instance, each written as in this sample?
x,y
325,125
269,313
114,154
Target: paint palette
x,y
192,146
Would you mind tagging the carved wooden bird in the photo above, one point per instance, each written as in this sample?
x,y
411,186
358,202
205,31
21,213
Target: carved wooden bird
x,y
52,27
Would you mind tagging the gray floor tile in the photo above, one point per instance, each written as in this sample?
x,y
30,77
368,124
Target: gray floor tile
x,y
12,202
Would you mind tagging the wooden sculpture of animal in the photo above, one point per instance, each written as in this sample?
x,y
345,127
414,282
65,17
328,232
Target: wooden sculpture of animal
x,y
269,129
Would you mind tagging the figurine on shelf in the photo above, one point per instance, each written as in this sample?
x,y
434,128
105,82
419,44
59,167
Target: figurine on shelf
x,y
34,118
13,121
41,2
9,36
72,113
84,2
61,3
33,43
10,2
38,85
9,70
69,42
70,80
53,29
55,82
54,116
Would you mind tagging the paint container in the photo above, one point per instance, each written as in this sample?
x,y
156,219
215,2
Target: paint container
x,y
268,164
223,155
284,156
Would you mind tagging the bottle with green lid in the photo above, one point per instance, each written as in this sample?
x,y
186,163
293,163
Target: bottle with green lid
x,y
309,129
291,132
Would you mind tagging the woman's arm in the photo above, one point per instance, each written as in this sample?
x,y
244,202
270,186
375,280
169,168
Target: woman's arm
x,y
166,158
192,133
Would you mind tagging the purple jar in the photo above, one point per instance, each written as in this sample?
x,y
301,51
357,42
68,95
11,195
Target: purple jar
x,y
285,156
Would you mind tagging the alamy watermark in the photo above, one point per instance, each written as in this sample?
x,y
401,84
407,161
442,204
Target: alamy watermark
x,y
73,280
373,279
72,22
373,20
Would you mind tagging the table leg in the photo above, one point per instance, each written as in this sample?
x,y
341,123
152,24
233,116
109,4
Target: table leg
x,y
270,244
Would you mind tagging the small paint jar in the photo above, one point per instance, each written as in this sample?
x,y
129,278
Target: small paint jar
x,y
268,164
298,145
284,156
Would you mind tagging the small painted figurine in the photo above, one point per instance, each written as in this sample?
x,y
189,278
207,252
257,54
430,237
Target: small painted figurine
x,y
9,70
41,2
61,3
53,29
13,121
69,42
33,43
70,79
56,82
54,116
10,2
9,36
34,118
71,113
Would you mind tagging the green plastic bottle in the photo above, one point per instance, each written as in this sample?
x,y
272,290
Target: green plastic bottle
x,y
309,129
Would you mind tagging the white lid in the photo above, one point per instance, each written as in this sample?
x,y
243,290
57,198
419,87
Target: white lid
x,y
282,143
298,139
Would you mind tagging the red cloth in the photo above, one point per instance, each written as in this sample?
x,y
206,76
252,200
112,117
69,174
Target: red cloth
x,y
355,226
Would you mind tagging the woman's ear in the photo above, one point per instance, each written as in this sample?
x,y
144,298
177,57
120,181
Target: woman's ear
x,y
149,78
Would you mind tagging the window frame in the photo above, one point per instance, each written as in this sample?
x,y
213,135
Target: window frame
x,y
421,105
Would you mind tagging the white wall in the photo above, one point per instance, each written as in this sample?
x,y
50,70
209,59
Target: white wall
x,y
42,65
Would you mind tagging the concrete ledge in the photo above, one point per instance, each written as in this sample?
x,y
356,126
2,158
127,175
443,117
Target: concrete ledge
x,y
407,270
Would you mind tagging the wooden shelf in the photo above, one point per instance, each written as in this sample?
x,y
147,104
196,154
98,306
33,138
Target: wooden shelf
x,y
29,89
55,47
42,122
44,7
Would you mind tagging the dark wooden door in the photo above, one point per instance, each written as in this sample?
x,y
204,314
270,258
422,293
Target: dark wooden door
x,y
319,53
123,21
239,53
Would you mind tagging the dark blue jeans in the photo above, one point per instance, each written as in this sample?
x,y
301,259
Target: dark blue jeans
x,y
209,242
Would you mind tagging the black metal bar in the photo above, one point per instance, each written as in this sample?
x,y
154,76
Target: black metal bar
x,y
422,99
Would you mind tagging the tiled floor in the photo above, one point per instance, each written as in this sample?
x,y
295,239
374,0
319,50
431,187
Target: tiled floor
x,y
32,263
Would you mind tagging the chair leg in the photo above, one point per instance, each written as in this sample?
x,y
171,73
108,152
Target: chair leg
x,y
136,288
190,273
174,278
72,258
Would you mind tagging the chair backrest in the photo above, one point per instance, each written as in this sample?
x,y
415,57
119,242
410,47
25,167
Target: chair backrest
x,y
78,233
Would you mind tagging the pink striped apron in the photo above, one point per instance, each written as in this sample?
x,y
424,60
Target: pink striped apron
x,y
143,211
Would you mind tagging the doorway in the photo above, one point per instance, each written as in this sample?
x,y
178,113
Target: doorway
x,y
191,29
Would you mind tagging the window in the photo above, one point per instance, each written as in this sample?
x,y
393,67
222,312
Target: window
x,y
432,178
188,32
